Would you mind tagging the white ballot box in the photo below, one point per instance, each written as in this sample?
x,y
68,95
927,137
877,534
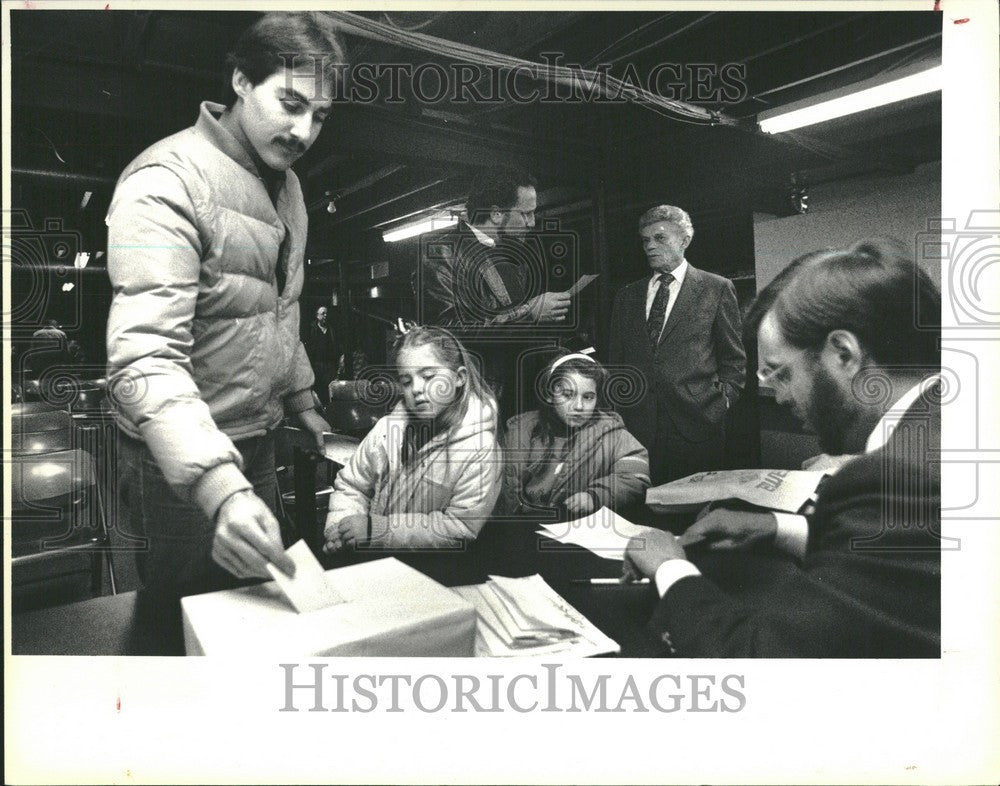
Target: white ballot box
x,y
388,609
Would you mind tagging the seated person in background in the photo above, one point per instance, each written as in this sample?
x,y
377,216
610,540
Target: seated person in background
x,y
573,454
842,342
428,473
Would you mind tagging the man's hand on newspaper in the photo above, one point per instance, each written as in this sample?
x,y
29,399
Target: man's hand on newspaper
x,y
646,552
247,537
549,307
731,529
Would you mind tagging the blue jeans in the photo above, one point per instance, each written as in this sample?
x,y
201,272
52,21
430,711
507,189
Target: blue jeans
x,y
177,559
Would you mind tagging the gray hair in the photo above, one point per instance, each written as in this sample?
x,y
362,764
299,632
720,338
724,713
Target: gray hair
x,y
670,214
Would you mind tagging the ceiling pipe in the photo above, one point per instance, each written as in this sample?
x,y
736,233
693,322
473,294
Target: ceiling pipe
x,y
75,179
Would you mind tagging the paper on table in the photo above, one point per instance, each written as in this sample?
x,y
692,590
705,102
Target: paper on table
x,y
502,601
339,447
603,532
308,590
581,283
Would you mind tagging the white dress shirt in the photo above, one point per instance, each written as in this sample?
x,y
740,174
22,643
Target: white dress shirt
x,y
675,287
792,534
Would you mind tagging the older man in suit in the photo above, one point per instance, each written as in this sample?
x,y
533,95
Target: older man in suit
x,y
842,342
680,327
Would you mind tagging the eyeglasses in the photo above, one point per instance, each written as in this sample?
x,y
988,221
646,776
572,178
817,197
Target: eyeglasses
x,y
777,375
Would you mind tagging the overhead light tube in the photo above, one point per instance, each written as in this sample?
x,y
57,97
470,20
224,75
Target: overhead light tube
x,y
788,118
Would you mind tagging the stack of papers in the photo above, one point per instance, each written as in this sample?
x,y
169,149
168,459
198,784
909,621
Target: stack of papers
x,y
526,617
775,489
603,532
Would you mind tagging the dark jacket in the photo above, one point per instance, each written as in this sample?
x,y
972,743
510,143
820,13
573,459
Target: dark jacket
x,y
870,583
700,346
600,458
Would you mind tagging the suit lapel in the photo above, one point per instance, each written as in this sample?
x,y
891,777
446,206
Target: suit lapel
x,y
685,305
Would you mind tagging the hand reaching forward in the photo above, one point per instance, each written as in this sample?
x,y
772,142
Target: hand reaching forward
x,y
247,537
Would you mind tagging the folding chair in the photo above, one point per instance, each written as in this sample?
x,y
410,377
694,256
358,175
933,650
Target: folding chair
x,y
57,510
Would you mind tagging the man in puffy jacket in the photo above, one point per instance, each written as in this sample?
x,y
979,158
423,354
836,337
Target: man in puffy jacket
x,y
206,237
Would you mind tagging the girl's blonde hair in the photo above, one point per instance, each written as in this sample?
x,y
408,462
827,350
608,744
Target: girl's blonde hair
x,y
453,356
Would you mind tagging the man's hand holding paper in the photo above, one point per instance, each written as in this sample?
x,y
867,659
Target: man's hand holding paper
x,y
247,538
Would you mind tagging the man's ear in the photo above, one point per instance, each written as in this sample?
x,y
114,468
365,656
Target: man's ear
x,y
241,83
461,376
844,351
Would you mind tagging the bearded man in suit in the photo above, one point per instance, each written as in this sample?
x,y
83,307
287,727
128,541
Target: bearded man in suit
x,y
850,340
680,328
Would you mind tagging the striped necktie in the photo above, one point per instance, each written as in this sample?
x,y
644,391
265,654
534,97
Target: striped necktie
x,y
654,323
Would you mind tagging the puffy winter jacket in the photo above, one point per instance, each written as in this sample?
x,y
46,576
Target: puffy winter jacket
x,y
202,348
446,495
601,458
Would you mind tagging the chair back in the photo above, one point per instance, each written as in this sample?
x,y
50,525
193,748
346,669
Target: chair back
x,y
31,443
354,407
46,477
39,420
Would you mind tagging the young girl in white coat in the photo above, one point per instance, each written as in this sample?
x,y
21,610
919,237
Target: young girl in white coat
x,y
428,473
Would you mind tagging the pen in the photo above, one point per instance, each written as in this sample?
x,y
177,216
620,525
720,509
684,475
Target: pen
x,y
608,581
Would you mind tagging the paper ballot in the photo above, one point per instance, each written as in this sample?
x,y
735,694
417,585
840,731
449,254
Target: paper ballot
x,y
581,283
603,532
308,590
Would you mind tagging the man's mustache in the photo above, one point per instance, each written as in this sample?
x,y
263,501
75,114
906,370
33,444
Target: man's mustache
x,y
291,145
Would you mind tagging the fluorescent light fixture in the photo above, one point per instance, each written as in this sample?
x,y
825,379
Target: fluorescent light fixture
x,y
86,198
67,287
419,228
858,99
82,258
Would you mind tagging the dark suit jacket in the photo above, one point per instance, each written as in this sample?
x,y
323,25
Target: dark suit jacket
x,y
322,348
699,346
870,584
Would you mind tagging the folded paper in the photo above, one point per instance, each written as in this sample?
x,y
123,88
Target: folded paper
x,y
775,489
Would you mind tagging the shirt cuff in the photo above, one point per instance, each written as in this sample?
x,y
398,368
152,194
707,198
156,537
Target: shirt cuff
x,y
672,571
792,534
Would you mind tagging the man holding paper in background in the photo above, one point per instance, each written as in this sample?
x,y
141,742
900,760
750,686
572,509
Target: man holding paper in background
x,y
478,280
851,341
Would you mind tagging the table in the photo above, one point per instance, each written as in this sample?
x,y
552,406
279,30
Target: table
x,y
111,625
114,625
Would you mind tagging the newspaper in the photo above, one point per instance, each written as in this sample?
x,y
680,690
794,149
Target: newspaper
x,y
775,489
